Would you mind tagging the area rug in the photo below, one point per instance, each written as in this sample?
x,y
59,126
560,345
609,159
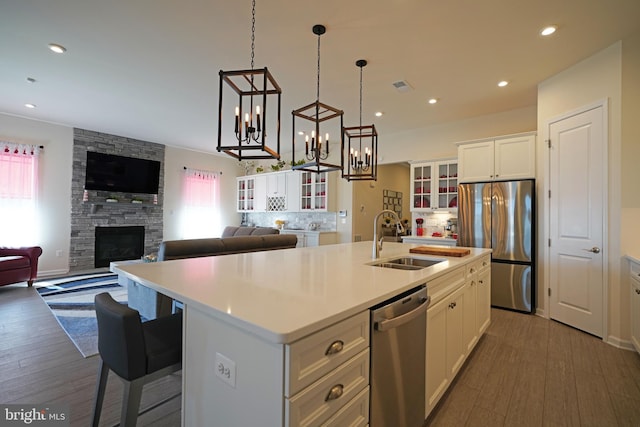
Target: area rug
x,y
71,302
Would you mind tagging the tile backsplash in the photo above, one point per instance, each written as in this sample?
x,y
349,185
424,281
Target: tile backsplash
x,y
326,221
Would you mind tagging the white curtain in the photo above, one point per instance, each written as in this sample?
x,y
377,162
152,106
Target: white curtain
x,y
18,194
201,204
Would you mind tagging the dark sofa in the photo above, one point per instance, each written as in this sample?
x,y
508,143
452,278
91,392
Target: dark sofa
x,y
19,264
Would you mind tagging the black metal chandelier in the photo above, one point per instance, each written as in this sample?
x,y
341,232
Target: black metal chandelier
x,y
317,149
252,121
360,153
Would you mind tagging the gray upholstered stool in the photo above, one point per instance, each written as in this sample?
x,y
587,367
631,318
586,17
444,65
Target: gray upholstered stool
x,y
137,352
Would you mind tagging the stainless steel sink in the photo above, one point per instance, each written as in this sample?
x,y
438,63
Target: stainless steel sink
x,y
407,263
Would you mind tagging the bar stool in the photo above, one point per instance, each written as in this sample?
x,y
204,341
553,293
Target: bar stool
x,y
137,352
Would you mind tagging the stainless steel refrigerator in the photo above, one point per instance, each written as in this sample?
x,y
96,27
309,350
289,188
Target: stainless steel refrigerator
x,y
501,216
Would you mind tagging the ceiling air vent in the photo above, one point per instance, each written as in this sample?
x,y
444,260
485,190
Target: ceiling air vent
x,y
401,86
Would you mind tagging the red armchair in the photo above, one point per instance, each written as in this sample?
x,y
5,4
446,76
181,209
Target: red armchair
x,y
19,265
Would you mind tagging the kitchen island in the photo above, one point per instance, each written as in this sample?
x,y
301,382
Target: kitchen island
x,y
257,324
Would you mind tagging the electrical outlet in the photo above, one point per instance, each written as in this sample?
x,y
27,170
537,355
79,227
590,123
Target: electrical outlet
x,y
226,369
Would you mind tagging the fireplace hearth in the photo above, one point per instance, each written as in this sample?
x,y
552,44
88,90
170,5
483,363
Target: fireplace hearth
x,y
118,244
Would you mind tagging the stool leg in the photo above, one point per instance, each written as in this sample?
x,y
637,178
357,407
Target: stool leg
x,y
103,375
131,402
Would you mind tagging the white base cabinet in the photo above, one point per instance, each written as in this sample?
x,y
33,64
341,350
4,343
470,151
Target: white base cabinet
x,y
459,314
635,304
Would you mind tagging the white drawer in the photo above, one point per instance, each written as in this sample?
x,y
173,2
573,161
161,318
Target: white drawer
x,y
353,414
310,358
479,265
444,285
313,405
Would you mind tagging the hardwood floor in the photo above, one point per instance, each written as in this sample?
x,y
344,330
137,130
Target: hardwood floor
x,y
529,371
40,364
525,371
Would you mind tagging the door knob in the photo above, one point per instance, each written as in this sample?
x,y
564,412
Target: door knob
x,y
595,250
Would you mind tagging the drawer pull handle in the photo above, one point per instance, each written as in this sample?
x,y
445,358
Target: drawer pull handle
x,y
335,347
638,291
484,263
472,270
335,392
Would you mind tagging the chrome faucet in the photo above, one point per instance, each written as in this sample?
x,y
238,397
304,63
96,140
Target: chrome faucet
x,y
377,244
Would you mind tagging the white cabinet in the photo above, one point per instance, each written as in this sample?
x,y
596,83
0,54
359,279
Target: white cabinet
x,y
316,192
276,195
251,193
635,304
312,238
274,384
445,345
434,185
498,159
458,316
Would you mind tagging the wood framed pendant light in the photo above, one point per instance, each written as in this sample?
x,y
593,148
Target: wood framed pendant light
x,y
317,121
244,133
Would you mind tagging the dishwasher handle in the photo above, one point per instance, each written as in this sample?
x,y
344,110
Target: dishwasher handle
x,y
387,324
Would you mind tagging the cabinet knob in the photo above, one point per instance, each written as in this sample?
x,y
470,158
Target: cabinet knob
x,y
484,263
481,282
335,347
335,392
638,291
473,282
472,270
452,305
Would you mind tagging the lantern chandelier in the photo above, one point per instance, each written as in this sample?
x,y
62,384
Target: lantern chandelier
x,y
360,157
317,149
250,121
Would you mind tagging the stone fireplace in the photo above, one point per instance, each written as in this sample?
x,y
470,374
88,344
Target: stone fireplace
x,y
97,210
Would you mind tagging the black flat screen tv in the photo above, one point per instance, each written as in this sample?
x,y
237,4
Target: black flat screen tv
x,y
108,172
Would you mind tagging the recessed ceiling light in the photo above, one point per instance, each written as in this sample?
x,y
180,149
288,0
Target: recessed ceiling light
x,y
57,48
379,113
29,105
433,101
503,83
547,31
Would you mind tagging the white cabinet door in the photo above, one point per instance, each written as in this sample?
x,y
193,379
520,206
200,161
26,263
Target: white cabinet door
x,y
437,379
515,158
635,305
434,185
469,315
293,191
475,162
260,197
483,300
456,347
276,184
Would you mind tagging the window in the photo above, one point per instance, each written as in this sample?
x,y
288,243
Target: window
x,y
18,194
201,204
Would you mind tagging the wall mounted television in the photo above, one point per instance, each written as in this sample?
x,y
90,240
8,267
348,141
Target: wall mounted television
x,y
108,172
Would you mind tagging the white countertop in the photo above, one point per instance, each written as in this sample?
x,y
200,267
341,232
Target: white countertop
x,y
294,230
287,294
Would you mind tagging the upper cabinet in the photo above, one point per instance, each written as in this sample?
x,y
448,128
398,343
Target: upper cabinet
x,y
316,192
498,159
251,193
434,185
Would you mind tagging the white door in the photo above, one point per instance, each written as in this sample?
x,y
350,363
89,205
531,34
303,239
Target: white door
x,y
576,224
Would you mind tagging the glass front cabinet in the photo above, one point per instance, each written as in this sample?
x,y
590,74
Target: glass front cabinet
x,y
251,196
434,186
314,191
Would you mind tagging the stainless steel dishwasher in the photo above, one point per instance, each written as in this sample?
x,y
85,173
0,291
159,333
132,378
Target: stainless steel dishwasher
x,y
398,348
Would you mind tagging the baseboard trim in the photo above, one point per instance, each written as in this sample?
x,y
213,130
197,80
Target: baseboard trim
x,y
620,343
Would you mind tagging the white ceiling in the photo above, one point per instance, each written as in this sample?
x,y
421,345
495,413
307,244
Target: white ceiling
x,y
148,69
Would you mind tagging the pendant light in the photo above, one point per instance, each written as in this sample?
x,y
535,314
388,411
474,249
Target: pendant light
x,y
321,121
360,156
245,131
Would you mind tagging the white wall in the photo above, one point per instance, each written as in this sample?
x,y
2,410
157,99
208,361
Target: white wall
x,y
596,78
55,187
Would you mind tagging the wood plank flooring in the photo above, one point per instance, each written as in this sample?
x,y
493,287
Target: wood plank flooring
x,y
40,364
529,371
525,371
